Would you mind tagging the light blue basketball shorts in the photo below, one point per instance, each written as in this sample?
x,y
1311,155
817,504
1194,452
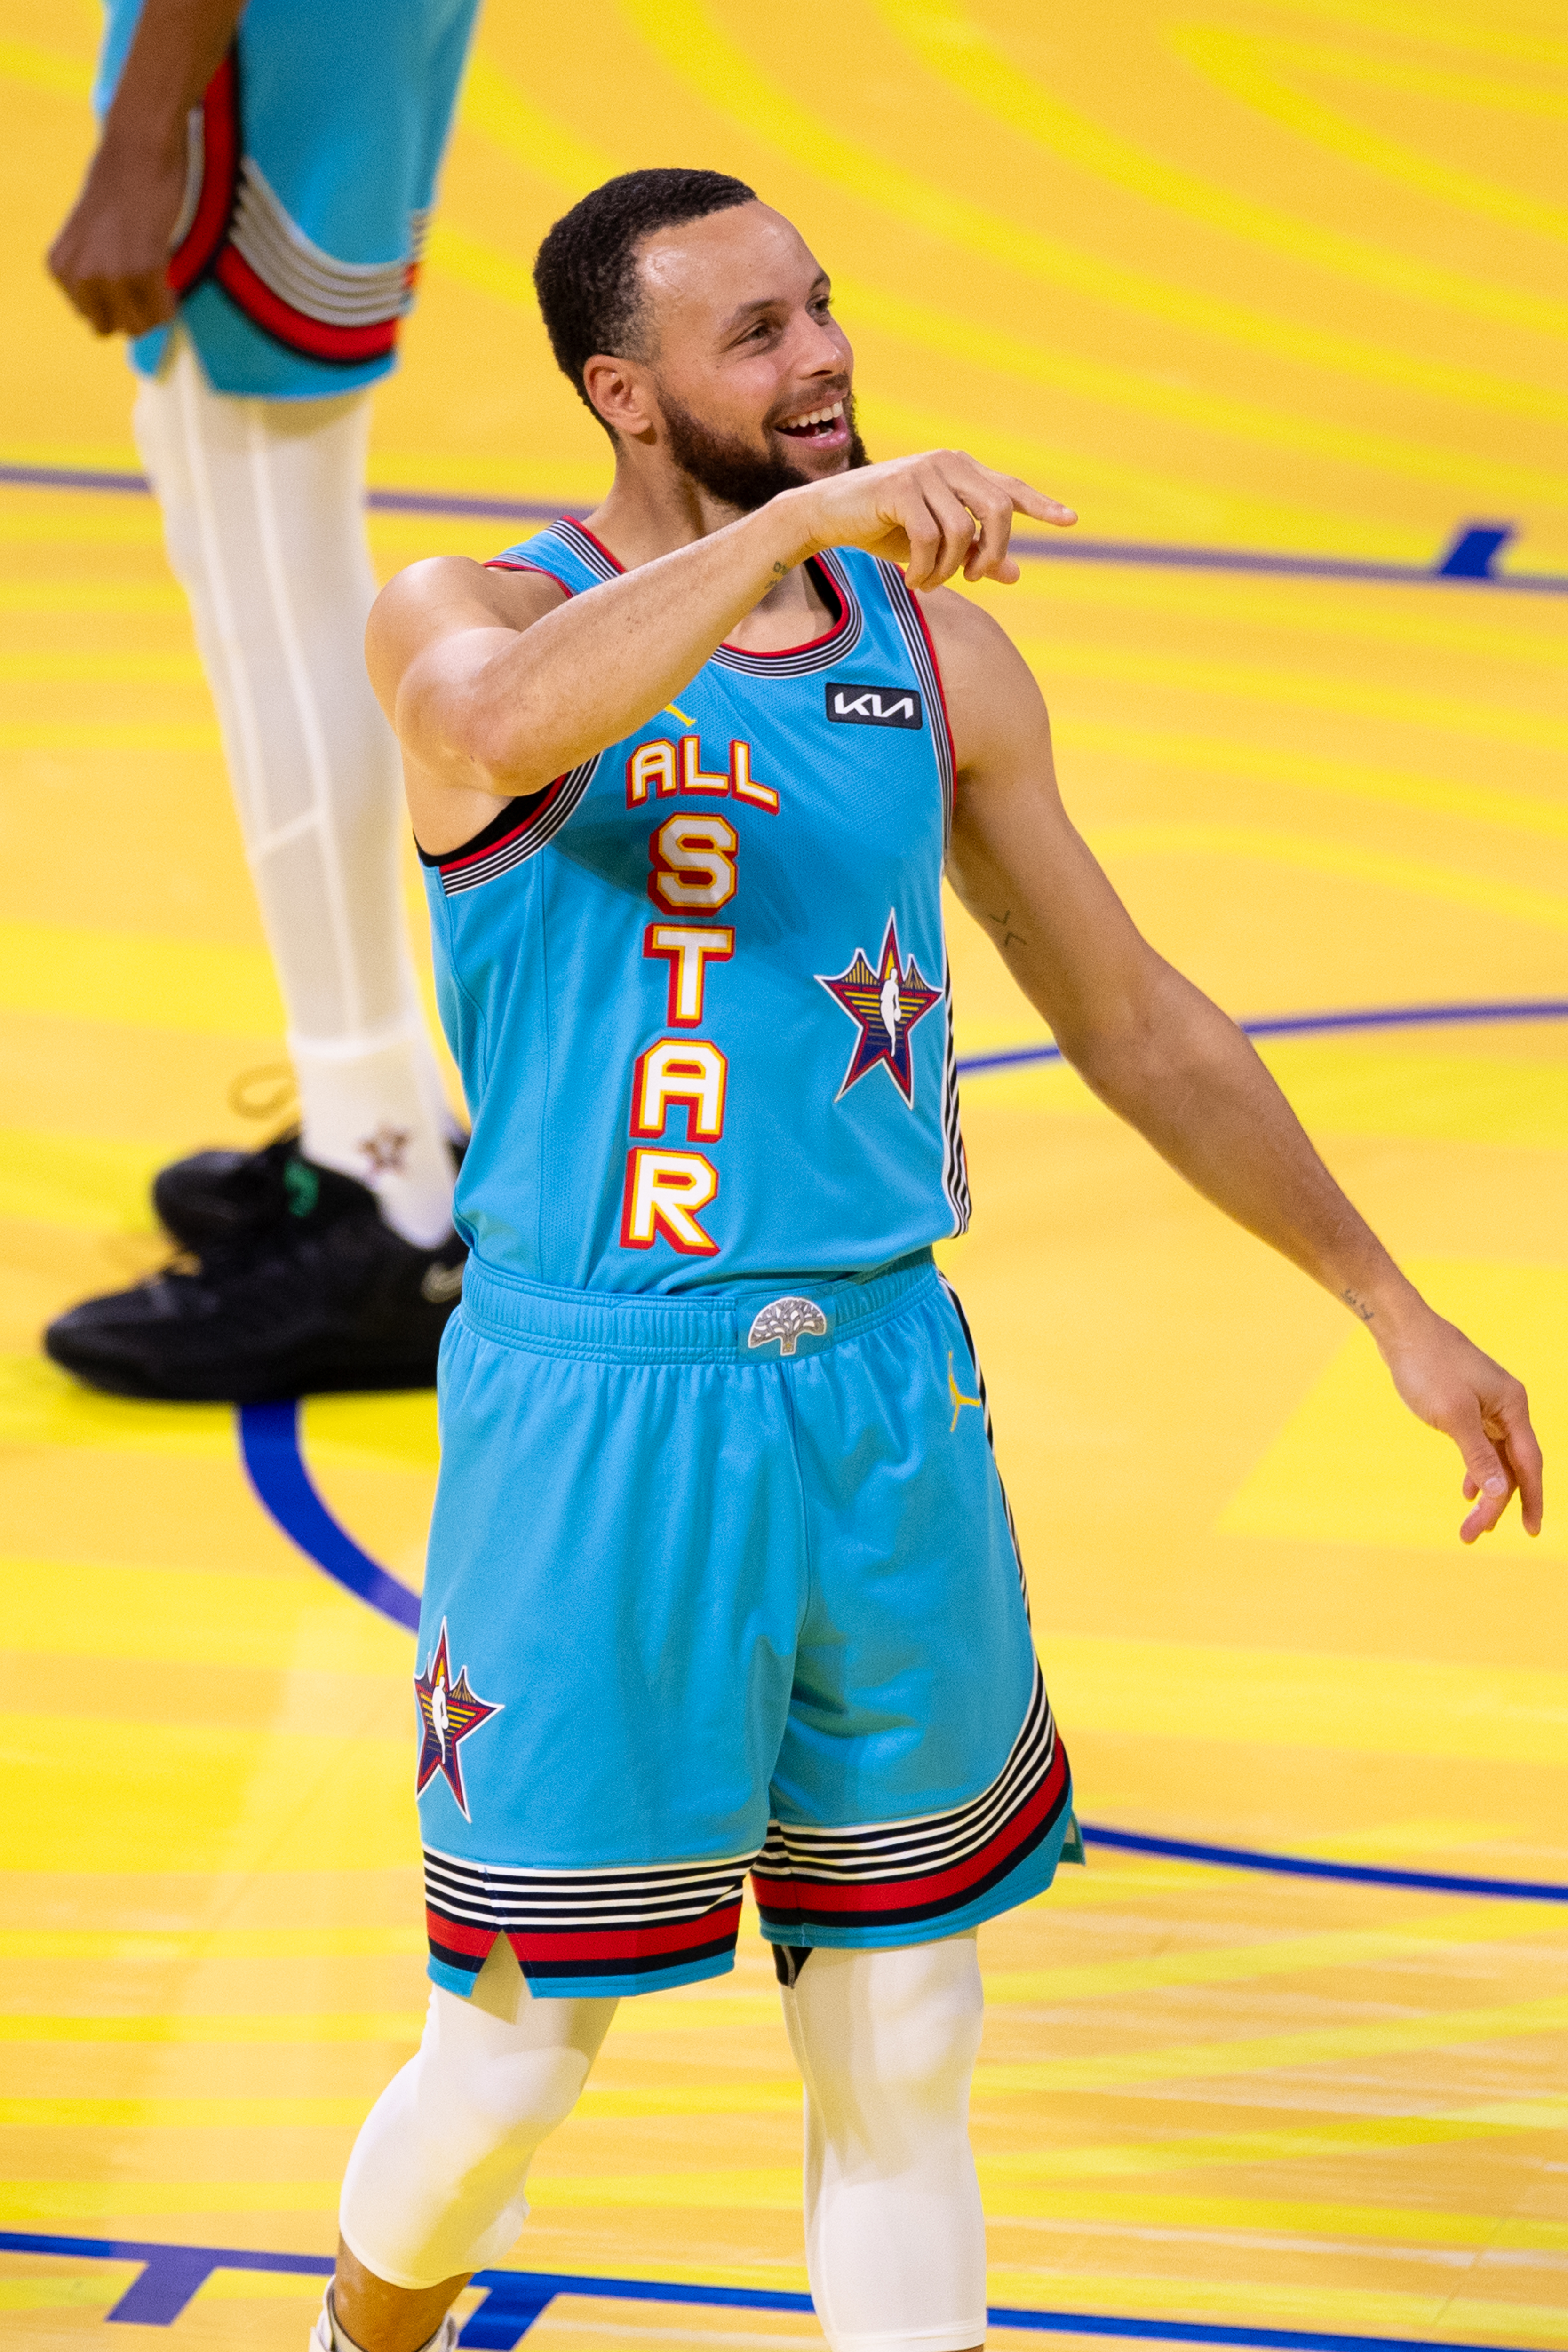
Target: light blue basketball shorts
x,y
718,1584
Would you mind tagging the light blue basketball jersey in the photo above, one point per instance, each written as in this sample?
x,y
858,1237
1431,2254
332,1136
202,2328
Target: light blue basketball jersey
x,y
697,989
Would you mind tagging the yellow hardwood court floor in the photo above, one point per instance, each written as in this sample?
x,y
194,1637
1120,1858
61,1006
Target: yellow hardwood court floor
x,y
1272,276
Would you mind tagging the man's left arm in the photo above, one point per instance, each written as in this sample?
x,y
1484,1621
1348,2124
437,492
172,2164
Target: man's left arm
x,y
1167,1060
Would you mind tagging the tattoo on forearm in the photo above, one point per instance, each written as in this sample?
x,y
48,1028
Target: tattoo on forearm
x,y
1009,938
779,569
1357,1305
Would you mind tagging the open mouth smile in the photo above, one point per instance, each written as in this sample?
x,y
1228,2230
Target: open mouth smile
x,y
817,424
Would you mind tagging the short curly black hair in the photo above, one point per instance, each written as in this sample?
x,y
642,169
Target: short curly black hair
x,y
585,271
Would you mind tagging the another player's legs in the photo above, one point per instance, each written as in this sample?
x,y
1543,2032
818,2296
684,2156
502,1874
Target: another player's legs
x,y
263,518
262,510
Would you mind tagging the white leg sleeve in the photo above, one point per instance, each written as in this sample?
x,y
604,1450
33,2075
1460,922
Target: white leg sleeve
x,y
434,2184
262,503
895,2237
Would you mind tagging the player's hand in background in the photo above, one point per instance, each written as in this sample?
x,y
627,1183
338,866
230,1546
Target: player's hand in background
x,y
111,258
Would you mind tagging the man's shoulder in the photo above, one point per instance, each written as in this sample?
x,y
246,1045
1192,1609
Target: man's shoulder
x,y
970,641
443,597
990,690
962,630
441,590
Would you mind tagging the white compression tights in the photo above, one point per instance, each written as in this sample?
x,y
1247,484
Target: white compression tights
x,y
262,503
886,2042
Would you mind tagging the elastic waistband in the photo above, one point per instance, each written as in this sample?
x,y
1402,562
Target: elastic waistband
x,y
754,1323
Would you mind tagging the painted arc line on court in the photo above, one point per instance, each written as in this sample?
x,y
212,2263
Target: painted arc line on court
x,y
1288,1866
173,2275
270,1448
1306,1024
1466,561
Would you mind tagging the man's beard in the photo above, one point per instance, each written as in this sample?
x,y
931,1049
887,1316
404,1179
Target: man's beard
x,y
732,471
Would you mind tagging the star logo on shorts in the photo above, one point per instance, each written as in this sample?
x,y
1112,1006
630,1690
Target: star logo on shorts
x,y
448,1711
885,1005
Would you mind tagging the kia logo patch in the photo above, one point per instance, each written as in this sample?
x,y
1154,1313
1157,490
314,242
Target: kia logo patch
x,y
850,704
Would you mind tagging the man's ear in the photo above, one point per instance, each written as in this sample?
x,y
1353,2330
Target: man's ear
x,y
619,393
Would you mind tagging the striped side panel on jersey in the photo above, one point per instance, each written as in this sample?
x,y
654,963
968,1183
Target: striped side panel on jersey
x,y
955,1161
521,830
917,643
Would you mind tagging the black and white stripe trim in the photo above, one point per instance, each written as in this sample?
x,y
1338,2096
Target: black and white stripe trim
x,y
878,1850
334,293
954,1163
543,1900
912,630
840,641
577,543
527,842
957,1305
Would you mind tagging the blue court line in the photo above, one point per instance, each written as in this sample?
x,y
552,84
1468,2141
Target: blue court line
x,y
1467,560
514,2299
1307,1024
1295,1865
269,1445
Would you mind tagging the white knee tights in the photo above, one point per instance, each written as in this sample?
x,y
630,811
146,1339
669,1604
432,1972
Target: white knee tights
x,y
895,2238
262,503
886,2042
434,2184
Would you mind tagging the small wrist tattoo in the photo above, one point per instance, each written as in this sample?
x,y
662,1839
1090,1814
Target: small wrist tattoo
x,y
1357,1305
779,568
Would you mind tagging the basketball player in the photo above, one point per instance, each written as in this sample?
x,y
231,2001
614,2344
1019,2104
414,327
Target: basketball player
x,y
721,1576
252,219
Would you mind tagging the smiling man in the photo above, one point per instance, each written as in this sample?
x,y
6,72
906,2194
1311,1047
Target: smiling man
x,y
721,1576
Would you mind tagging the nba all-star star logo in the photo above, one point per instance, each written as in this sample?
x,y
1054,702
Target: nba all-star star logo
x,y
448,1711
885,1005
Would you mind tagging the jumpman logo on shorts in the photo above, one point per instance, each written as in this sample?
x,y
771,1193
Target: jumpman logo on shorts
x,y
959,1399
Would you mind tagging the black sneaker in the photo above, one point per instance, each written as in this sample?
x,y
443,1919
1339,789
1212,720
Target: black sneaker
x,y
320,1297
217,1197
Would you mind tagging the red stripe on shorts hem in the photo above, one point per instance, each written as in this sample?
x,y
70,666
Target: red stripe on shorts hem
x,y
458,1935
626,1943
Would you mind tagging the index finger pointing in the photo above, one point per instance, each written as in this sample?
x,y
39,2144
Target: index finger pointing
x,y
1036,505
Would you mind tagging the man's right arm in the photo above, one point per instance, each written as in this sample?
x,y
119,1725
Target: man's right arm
x,y
495,685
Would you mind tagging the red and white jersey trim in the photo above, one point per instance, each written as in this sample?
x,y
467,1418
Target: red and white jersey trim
x,y
234,228
294,268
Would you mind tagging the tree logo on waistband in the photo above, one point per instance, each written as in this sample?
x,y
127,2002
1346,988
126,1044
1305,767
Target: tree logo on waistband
x,y
786,1320
448,1711
885,1005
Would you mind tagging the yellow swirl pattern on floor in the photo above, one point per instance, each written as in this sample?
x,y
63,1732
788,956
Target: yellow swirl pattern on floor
x,y
1272,274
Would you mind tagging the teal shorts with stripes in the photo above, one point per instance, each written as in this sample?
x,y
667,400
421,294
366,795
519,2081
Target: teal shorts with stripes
x,y
721,1584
